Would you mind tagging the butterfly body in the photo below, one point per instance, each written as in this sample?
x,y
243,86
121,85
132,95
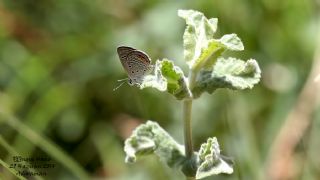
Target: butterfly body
x,y
135,62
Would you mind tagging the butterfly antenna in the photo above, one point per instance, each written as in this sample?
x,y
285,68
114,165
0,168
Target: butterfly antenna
x,y
119,80
114,89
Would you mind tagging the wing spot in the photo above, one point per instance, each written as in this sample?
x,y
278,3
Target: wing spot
x,y
132,71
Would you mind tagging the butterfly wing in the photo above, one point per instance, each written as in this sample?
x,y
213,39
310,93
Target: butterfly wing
x,y
135,62
123,52
139,64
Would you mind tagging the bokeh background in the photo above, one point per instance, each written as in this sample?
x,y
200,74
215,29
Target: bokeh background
x,y
58,68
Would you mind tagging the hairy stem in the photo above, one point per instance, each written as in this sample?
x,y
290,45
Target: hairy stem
x,y
187,109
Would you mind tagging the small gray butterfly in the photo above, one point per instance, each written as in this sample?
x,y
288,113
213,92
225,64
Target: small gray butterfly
x,y
136,63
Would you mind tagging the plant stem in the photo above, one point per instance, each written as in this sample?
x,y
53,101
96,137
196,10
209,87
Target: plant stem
x,y
187,109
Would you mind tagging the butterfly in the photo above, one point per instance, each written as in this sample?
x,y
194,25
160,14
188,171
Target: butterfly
x,y
136,63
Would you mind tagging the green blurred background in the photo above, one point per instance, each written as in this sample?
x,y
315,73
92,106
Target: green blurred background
x,y
58,68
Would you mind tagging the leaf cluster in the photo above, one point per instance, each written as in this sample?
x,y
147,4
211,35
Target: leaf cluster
x,y
210,70
203,54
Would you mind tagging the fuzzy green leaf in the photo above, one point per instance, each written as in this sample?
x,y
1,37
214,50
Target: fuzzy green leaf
x,y
232,42
200,48
229,73
209,55
155,80
210,160
167,77
216,48
150,138
198,33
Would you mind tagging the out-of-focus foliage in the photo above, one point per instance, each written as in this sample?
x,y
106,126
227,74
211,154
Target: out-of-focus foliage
x,y
58,67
